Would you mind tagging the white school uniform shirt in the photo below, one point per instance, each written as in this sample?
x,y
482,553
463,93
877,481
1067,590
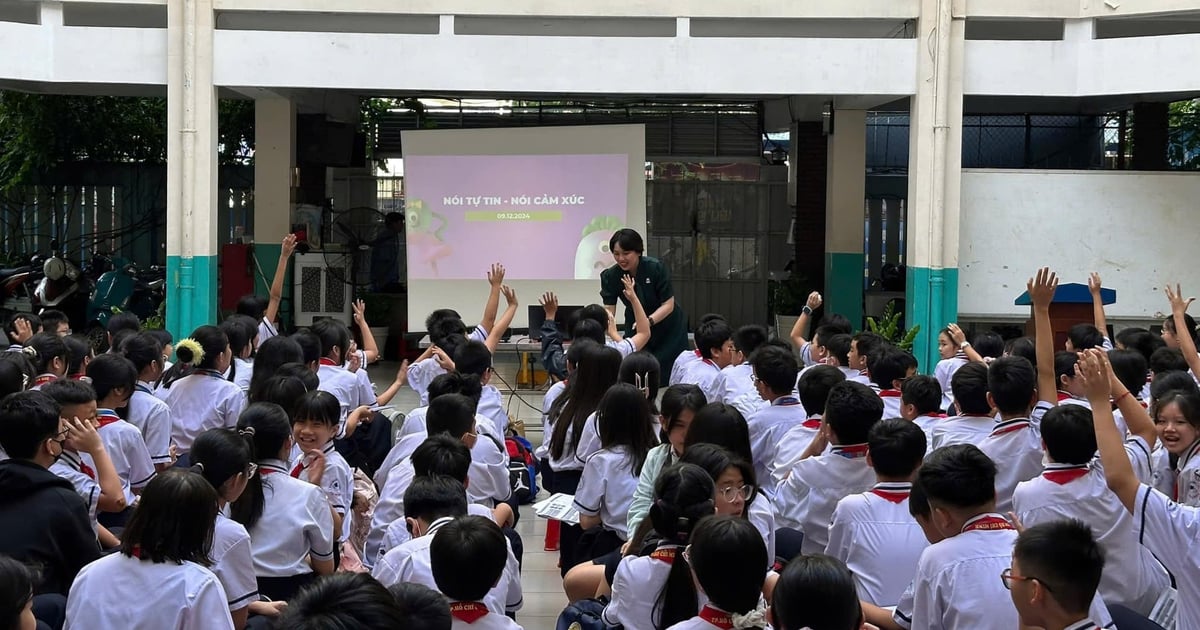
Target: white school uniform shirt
x,y
944,373
1187,476
491,406
401,450
71,466
1171,531
296,523
791,446
636,585
464,617
574,455
152,417
411,562
340,382
200,402
1132,576
337,482
366,389
266,330
414,423
682,364
397,533
858,376
891,402
422,373
543,449
969,429
738,389
118,591
1015,446
233,562
624,346
127,450
807,498
242,374
707,376
606,488
761,514
767,430
958,584
874,534
927,423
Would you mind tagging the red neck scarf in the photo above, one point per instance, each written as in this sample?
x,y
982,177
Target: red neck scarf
x,y
1063,476
987,522
718,618
469,612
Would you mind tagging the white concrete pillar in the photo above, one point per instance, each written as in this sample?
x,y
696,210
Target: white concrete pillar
x,y
191,167
845,194
274,170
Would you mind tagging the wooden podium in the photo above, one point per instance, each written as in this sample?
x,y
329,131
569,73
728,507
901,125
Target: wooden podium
x,y
1072,305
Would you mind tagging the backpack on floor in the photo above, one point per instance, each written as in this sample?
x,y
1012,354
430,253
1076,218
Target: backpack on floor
x,y
584,614
522,471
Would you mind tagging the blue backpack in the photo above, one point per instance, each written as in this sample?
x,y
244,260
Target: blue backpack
x,y
584,615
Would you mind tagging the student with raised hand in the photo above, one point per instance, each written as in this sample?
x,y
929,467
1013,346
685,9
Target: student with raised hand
x,y
343,600
655,589
952,357
160,577
807,497
728,561
873,532
289,521
1056,568
680,404
264,312
468,559
815,592
45,522
199,396
1072,486
800,330
1171,531
146,411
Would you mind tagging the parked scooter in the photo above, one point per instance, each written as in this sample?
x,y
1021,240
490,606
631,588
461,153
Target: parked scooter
x,y
16,288
62,286
123,288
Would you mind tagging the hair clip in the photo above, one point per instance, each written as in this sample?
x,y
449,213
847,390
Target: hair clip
x,y
196,349
197,467
246,432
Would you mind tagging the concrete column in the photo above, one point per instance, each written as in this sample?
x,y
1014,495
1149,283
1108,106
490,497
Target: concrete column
x,y
845,194
934,178
808,159
191,168
274,164
1151,133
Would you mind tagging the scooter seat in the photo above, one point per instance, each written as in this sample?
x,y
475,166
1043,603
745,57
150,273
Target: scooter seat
x,y
4,273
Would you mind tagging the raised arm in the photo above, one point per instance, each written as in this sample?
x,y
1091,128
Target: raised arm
x,y
1136,417
1097,304
495,278
642,335
276,295
390,393
1041,293
960,340
1179,307
1118,471
799,332
496,332
370,348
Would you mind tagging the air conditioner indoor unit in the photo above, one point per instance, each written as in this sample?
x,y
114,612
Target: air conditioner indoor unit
x,y
319,291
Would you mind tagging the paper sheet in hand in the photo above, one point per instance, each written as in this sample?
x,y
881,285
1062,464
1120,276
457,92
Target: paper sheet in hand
x,y
559,507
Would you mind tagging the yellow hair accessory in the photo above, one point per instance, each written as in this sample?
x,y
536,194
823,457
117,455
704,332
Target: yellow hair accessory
x,y
192,346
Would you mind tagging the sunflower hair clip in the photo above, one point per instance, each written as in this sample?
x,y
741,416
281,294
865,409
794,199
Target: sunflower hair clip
x,y
193,347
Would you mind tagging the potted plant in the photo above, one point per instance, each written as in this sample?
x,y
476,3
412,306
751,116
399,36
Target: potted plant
x,y
890,326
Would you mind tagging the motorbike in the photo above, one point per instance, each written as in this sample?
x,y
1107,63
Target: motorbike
x,y
123,287
62,287
16,288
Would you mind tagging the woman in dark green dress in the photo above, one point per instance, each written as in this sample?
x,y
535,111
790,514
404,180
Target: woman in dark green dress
x,y
652,283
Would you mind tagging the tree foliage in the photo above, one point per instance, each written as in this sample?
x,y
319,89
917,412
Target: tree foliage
x,y
41,131
1183,144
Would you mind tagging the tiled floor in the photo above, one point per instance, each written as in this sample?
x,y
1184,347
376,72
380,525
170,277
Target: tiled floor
x,y
540,580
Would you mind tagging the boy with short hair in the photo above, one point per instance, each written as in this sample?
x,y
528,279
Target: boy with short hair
x,y
1056,568
1015,443
55,322
813,389
974,420
920,403
806,499
773,373
19,328
473,358
1070,386
889,368
468,559
714,343
431,503
863,345
44,520
837,354
683,362
738,386
873,532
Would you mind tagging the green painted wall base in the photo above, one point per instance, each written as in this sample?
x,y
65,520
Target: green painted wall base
x,y
191,293
931,302
844,285
267,255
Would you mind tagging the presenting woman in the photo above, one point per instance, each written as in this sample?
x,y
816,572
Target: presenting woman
x,y
652,283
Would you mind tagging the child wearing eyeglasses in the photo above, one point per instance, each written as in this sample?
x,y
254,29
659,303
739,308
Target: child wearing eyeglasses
x,y
1055,571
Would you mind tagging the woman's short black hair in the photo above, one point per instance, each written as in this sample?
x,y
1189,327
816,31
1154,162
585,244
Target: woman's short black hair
x,y
143,349
679,398
729,559
343,601
468,556
174,519
16,589
628,239
112,371
272,354
816,592
421,607
222,454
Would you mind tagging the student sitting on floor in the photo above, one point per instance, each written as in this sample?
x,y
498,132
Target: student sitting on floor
x,y
467,558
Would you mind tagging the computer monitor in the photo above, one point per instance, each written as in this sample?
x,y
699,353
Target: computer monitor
x,y
537,317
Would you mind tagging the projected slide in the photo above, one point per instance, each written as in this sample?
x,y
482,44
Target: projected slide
x,y
547,217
